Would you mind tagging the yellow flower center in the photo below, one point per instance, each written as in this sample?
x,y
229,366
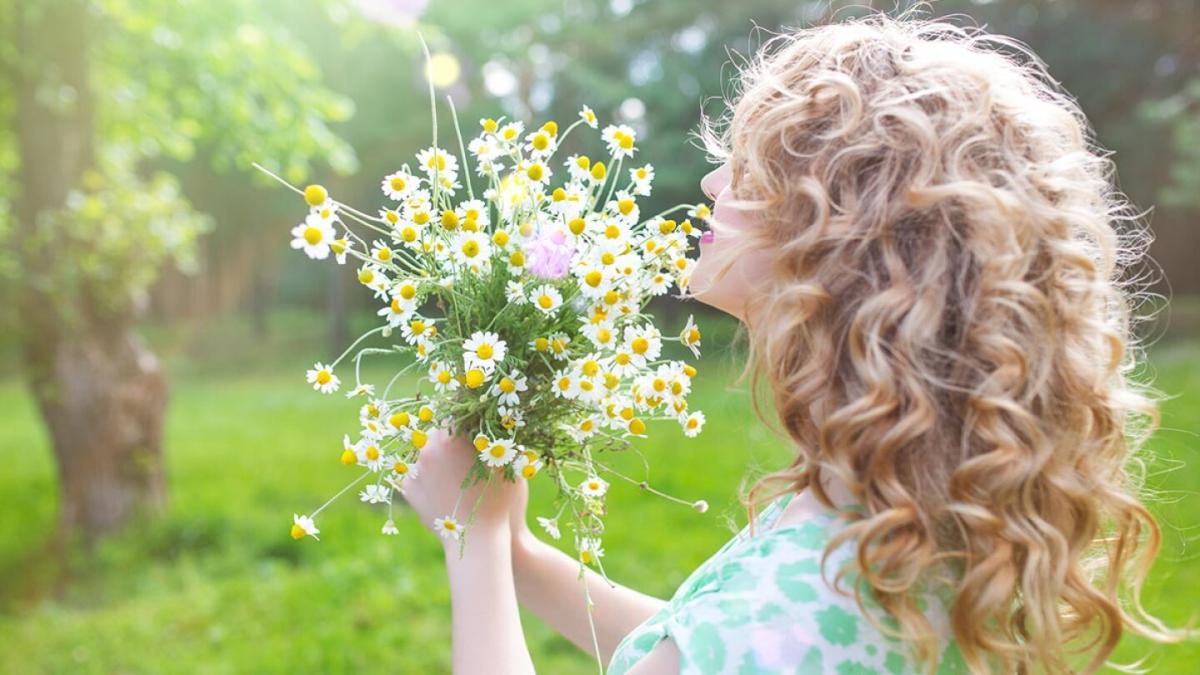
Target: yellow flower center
x,y
396,306
625,206
315,195
590,367
444,376
599,171
689,371
399,419
535,172
623,359
612,232
421,217
425,414
348,457
313,235
324,377
400,468
398,184
372,453
640,345
484,351
603,336
529,471
419,439
517,259
297,531
408,291
449,219
500,237
637,427
481,442
366,276
470,248
474,378
593,278
577,226
384,254
545,301
666,226
541,344
507,385
540,141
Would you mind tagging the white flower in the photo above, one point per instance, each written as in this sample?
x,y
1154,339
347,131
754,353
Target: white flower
x,y
436,159
514,292
375,494
540,143
381,252
340,248
641,178
397,311
303,525
589,118
389,527
398,185
442,377
644,342
447,527
546,298
484,350
589,550
594,486
508,390
620,140
550,525
690,336
322,379
692,424
369,453
361,390
314,235
527,464
472,248
499,452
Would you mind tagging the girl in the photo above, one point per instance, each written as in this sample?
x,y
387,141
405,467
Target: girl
x,y
922,243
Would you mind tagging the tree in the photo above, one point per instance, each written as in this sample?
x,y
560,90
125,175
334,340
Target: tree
x,y
102,96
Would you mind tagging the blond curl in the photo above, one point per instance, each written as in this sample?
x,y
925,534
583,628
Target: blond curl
x,y
949,331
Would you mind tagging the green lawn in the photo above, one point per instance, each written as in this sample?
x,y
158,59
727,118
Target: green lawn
x,y
218,586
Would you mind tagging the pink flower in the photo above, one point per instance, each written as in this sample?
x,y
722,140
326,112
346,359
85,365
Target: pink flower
x,y
549,254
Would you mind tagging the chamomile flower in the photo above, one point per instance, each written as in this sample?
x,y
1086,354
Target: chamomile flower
x,y
304,526
507,390
340,248
546,298
527,464
589,550
436,160
472,248
644,342
594,487
579,167
550,525
540,143
375,494
389,527
397,311
692,423
690,336
589,118
418,329
641,178
322,379
361,390
381,252
370,454
620,140
484,350
442,376
314,235
500,452
514,292
448,527
398,185
601,333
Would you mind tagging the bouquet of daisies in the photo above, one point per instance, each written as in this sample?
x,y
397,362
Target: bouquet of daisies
x,y
512,286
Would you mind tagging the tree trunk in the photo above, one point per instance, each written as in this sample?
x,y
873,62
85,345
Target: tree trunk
x,y
100,392
103,399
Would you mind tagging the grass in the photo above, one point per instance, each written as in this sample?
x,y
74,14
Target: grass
x,y
218,586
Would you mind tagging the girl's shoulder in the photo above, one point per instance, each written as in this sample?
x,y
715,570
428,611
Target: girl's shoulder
x,y
763,603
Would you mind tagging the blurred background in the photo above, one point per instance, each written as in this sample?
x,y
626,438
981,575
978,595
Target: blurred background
x,y
156,432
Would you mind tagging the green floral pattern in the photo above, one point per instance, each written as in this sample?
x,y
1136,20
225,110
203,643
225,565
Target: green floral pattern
x,y
760,605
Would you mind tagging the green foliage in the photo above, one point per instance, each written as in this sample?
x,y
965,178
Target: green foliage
x,y
1181,114
218,81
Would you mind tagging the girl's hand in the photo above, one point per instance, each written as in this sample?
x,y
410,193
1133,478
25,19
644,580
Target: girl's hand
x,y
434,491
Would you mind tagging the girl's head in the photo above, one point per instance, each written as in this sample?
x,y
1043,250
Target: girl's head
x,y
930,258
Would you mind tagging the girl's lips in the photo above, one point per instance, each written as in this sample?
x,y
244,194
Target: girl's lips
x,y
706,237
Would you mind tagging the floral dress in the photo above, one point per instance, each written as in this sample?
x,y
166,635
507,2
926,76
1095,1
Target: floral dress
x,y
760,605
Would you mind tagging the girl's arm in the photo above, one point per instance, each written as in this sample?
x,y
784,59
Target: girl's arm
x,y
548,584
487,626
487,635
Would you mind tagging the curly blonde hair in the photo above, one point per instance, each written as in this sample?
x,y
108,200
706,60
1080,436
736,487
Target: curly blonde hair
x,y
949,330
